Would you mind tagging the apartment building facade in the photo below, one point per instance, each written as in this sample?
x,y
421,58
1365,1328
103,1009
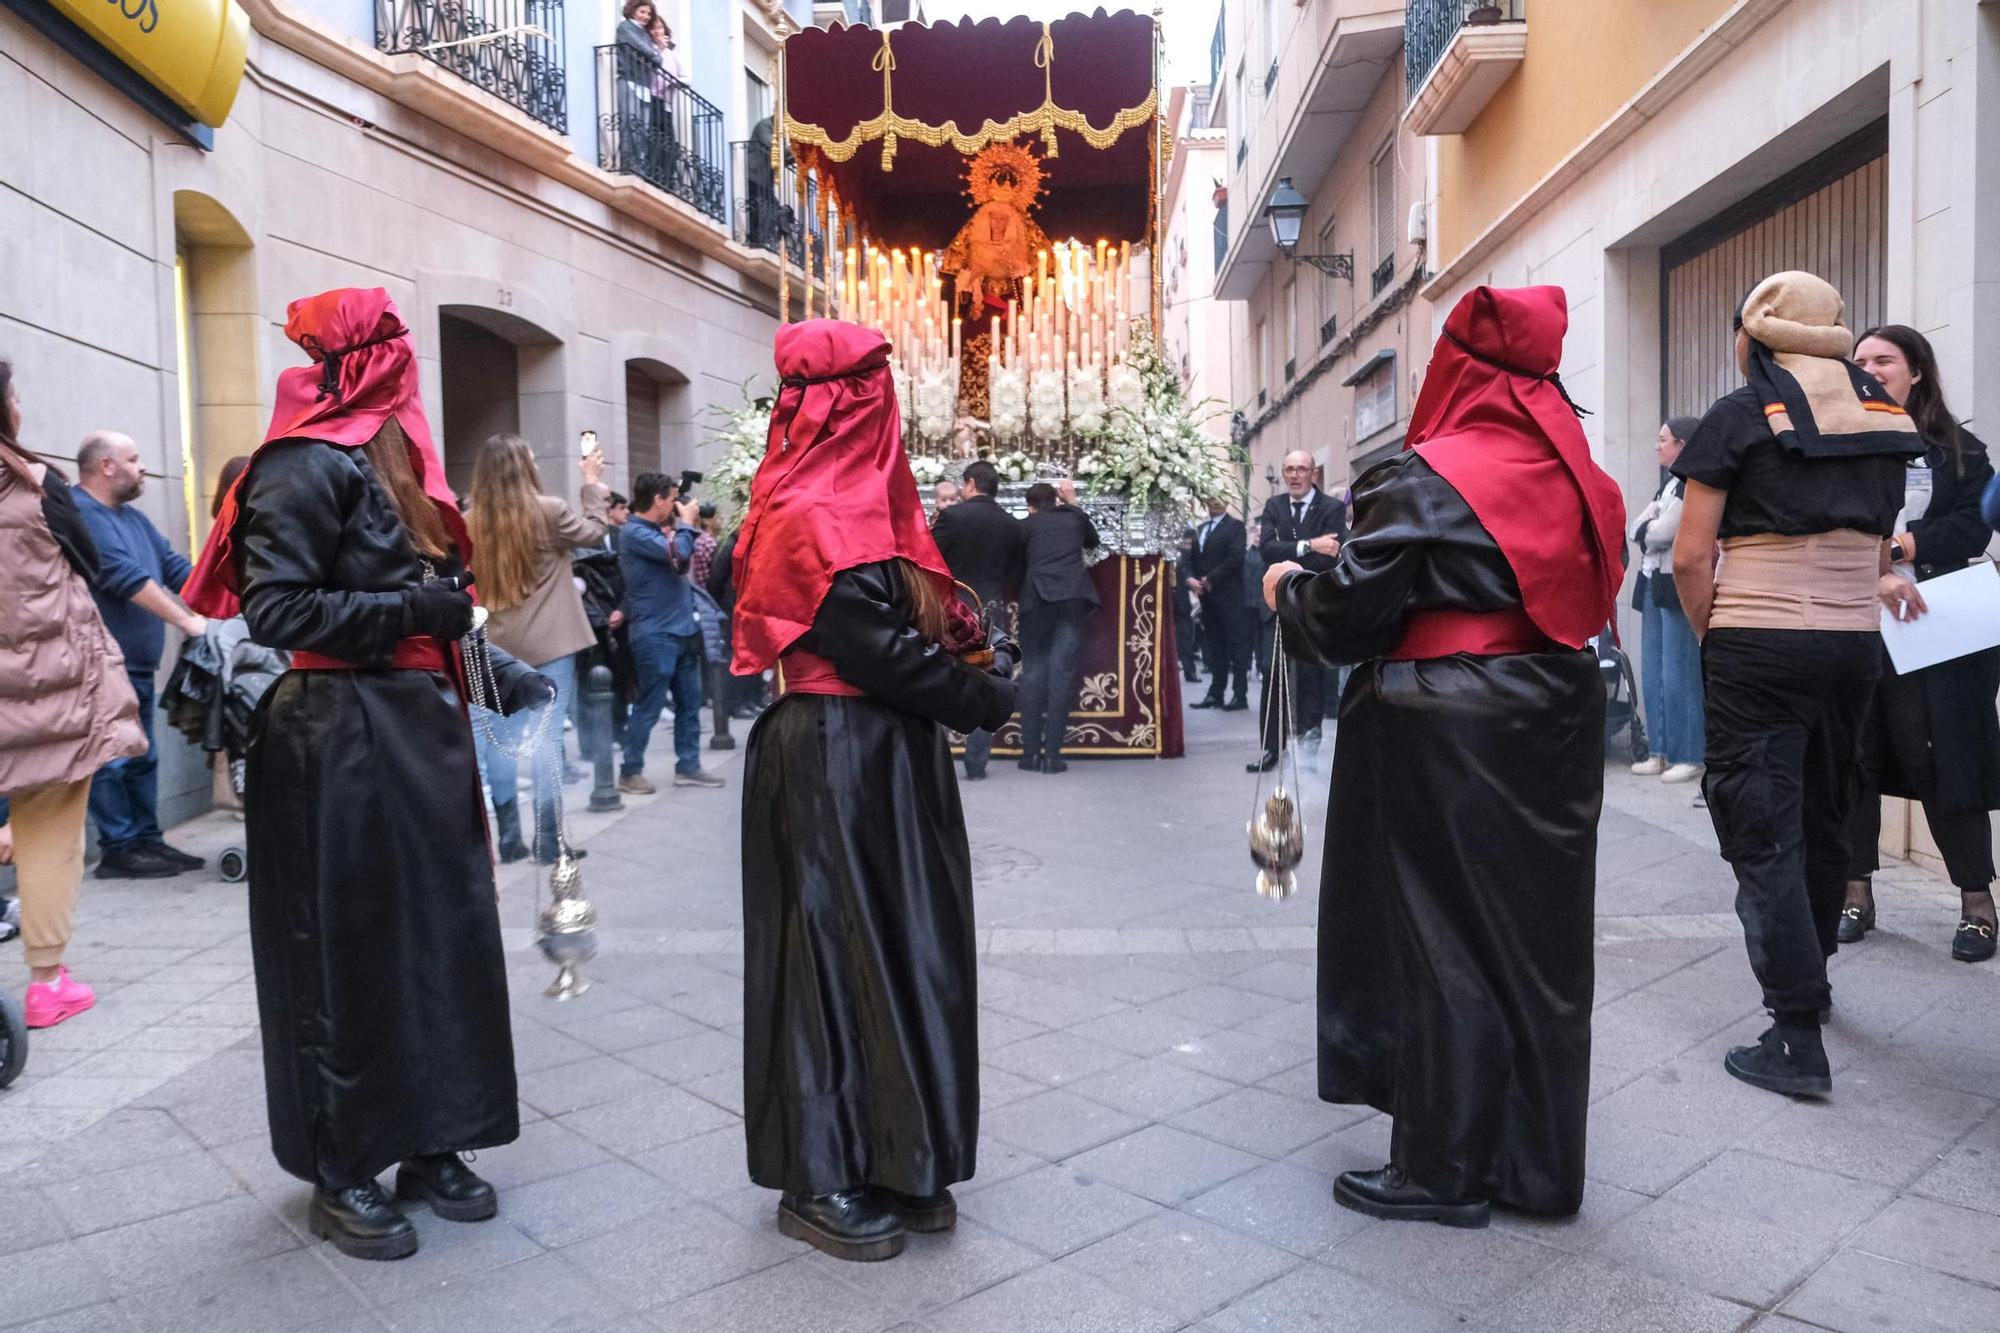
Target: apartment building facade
x,y
1328,334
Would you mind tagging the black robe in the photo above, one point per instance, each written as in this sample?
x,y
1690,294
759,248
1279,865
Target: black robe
x,y
1459,880
860,1027
381,985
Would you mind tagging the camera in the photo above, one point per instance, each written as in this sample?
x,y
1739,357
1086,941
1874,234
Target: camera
x,y
688,480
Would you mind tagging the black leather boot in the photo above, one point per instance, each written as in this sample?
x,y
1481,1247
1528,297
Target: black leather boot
x,y
362,1223
507,831
848,1225
1788,1058
448,1186
935,1212
1390,1194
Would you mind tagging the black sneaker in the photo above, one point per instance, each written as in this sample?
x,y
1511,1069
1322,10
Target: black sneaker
x,y
1973,941
174,855
1789,1058
849,1225
136,863
362,1223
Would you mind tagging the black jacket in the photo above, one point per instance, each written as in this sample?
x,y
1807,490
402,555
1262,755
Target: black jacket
x,y
1278,537
982,544
1219,562
1959,694
1054,541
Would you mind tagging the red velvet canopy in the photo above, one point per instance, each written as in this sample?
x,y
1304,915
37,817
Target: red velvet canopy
x,y
954,86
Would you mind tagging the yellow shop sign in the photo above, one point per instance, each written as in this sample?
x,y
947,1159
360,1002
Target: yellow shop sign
x,y
191,50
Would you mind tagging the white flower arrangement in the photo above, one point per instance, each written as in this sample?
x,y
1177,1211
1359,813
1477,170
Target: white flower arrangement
x,y
1007,395
741,432
906,406
937,402
1045,406
1154,451
929,469
1014,465
1086,401
1125,388
1087,465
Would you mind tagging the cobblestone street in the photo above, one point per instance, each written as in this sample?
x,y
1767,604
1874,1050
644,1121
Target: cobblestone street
x,y
1153,1156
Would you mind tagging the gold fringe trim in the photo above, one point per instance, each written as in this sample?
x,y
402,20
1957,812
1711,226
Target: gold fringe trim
x,y
1045,120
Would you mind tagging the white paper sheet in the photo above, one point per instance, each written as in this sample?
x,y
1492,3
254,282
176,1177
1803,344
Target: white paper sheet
x,y
1964,617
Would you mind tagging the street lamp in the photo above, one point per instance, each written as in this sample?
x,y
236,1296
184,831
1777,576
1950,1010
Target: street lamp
x,y
1286,213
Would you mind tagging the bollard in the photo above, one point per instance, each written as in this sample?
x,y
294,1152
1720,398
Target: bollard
x,y
717,684
595,740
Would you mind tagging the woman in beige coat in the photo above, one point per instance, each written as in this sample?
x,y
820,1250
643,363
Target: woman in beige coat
x,y
522,543
66,708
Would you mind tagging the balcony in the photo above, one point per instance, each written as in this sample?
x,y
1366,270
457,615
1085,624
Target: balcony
x,y
767,207
1457,54
510,48
660,130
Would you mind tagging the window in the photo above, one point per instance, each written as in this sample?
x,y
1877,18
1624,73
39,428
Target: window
x,y
756,97
1383,177
1261,368
1291,329
1239,118
1271,32
1327,283
1375,396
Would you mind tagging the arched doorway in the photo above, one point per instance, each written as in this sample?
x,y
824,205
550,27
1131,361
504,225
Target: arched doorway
x,y
498,374
216,332
659,418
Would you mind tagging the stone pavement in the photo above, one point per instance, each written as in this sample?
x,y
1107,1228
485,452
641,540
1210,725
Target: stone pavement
x,y
1153,1155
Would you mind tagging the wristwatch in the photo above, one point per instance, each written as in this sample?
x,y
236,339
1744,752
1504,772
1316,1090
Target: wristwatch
x,y
1896,553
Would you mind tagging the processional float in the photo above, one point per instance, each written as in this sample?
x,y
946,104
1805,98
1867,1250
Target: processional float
x,y
988,194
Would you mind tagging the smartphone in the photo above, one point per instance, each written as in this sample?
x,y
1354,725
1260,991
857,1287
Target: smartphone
x,y
587,443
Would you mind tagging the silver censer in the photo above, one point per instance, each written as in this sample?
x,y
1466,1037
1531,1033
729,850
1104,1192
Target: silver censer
x,y
566,929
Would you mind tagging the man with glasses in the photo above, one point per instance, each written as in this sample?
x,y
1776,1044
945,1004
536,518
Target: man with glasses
x,y
1305,525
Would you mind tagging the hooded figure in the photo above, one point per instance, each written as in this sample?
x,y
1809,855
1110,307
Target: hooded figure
x,y
381,987
1800,477
1455,936
860,1040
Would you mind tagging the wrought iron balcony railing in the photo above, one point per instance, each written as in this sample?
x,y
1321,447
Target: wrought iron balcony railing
x,y
1385,273
767,206
655,127
511,48
1429,26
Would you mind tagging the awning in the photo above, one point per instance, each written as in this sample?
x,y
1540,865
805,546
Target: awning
x,y
191,50
1374,363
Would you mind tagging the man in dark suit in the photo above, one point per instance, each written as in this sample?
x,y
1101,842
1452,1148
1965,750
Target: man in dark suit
x,y
982,544
1218,582
1058,599
1305,525
1187,637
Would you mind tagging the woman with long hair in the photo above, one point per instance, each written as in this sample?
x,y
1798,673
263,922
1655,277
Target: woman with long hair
x,y
1670,659
1799,474
860,1038
1934,736
381,985
525,539
66,707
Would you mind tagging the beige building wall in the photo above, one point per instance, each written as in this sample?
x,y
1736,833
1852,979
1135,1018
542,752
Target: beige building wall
x,y
1763,89
116,231
1193,326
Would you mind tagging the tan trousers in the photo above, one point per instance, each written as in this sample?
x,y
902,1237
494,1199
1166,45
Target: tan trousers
x,y
48,862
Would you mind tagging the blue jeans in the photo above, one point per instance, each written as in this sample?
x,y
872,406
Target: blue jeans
x,y
1670,662
665,663
124,796
501,769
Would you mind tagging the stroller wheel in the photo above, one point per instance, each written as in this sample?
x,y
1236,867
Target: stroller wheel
x,y
233,865
13,1040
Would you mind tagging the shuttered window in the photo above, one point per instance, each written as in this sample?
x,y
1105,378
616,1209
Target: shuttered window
x,y
1826,218
1385,204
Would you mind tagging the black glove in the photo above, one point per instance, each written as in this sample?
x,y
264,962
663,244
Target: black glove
x,y
441,608
1001,706
526,690
1006,653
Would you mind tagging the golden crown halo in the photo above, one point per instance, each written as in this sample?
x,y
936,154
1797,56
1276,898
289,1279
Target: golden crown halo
x,y
1006,173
